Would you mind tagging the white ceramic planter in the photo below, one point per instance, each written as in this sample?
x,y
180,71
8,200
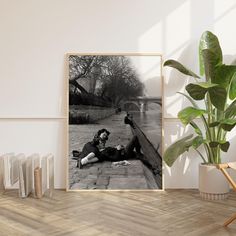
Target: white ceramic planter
x,y
212,183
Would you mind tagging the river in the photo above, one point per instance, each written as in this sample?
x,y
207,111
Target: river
x,y
150,123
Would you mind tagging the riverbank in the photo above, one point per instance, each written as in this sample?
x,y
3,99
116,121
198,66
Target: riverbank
x,y
105,175
82,114
81,134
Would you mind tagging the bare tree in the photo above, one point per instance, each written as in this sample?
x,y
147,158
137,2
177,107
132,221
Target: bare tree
x,y
121,81
84,67
110,77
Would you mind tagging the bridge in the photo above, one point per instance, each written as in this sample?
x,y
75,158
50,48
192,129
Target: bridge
x,y
141,102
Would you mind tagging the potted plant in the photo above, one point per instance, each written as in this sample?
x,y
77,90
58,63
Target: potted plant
x,y
216,86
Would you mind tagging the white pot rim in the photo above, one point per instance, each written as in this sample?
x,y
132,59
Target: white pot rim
x,y
208,164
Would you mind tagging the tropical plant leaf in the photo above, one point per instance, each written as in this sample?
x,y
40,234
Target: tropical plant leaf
x,y
177,149
224,146
210,63
232,90
198,91
228,124
213,144
231,110
207,85
219,114
214,124
181,68
224,74
218,96
209,41
196,128
189,113
197,141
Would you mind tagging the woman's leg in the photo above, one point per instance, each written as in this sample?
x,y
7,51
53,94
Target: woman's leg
x,y
133,144
111,154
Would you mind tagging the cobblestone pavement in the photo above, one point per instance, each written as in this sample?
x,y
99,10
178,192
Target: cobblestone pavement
x,y
105,175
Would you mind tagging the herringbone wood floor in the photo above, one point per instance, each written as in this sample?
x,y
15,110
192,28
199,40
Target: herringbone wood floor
x,y
173,212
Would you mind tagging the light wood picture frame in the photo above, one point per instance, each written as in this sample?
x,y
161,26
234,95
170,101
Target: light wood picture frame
x,y
114,121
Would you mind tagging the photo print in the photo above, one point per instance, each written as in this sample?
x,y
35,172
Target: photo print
x,y
115,122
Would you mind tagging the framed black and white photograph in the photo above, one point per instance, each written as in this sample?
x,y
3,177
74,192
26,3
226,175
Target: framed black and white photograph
x,y
115,121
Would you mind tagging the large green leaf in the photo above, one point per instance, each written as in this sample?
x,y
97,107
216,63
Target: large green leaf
x,y
197,141
207,85
231,110
218,96
175,64
210,63
189,113
223,75
224,146
232,90
198,91
177,149
228,124
209,41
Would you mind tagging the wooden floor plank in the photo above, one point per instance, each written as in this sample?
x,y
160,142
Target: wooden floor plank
x,y
171,212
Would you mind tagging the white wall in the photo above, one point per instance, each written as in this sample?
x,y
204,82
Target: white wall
x,y
36,34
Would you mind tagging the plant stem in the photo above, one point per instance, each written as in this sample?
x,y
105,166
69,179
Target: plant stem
x,y
207,151
211,133
218,148
208,137
204,160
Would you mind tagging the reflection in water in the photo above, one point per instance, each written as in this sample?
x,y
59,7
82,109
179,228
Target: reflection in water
x,y
150,123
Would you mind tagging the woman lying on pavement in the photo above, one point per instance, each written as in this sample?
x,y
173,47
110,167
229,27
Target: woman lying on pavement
x,y
91,152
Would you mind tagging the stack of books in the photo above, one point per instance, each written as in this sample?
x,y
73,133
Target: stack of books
x,y
31,175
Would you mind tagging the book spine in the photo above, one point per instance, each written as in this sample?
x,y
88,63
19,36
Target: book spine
x,y
38,182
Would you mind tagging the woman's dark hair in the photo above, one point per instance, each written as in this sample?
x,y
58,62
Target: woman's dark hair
x,y
96,138
102,131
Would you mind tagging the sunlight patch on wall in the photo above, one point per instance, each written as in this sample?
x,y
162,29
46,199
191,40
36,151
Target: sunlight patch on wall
x,y
177,35
178,27
225,30
174,82
151,39
221,7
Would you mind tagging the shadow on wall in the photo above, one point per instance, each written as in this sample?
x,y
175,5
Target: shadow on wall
x,y
176,81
